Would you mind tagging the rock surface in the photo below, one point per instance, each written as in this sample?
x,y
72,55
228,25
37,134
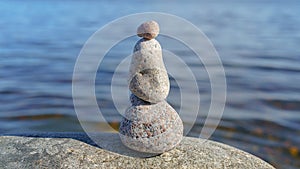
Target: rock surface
x,y
148,30
135,101
27,152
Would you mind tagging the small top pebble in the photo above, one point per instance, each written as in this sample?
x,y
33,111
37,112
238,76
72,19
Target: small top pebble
x,y
148,30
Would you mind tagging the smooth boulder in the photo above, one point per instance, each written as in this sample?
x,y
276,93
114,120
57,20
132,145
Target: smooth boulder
x,y
28,152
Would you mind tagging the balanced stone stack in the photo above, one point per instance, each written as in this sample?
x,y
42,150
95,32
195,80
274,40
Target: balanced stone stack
x,y
150,125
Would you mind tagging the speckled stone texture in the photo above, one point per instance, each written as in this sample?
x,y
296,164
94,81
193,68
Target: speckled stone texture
x,y
135,101
147,54
151,128
191,153
148,30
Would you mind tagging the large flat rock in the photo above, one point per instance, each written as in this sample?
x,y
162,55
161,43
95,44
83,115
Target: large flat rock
x,y
46,151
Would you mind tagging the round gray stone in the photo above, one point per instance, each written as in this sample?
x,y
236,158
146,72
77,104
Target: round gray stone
x,y
151,85
148,30
147,54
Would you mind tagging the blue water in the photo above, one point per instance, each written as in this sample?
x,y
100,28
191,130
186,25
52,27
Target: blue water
x,y
258,43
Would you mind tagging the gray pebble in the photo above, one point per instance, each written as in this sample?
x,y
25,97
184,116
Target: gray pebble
x,y
147,54
151,85
148,30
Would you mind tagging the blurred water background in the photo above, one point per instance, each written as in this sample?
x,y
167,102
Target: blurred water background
x,y
257,41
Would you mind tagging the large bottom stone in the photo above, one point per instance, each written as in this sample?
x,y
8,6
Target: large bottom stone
x,y
151,128
157,144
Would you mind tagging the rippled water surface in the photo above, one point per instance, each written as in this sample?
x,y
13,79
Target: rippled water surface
x,y
258,43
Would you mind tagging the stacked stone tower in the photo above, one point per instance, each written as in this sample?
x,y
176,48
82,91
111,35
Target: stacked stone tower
x,y
150,125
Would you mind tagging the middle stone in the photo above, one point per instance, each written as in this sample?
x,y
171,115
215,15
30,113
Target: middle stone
x,y
148,77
